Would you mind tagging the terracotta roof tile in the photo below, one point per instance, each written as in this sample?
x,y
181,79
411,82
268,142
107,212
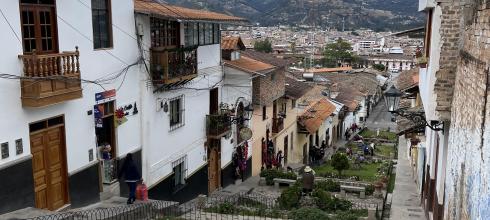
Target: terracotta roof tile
x,y
176,12
314,116
232,43
407,79
249,65
266,58
296,89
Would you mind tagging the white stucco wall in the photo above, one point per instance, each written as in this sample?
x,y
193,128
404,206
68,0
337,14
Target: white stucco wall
x,y
74,27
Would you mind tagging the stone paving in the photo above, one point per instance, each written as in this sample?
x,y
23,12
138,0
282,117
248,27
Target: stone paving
x,y
406,198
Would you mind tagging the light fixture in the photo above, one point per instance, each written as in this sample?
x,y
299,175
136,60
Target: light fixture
x,y
392,100
165,107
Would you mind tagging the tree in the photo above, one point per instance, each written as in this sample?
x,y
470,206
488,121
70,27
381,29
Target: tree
x,y
338,51
340,162
263,46
379,67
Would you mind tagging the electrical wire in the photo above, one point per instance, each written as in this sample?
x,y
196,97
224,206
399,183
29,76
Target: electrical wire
x,y
11,28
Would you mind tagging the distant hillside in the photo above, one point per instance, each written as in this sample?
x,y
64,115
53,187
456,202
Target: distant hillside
x,y
379,15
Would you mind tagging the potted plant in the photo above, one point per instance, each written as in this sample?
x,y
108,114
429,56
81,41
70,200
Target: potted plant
x,y
422,61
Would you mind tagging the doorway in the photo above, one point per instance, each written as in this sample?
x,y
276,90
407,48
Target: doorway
x,y
305,154
48,148
286,150
214,166
105,132
213,101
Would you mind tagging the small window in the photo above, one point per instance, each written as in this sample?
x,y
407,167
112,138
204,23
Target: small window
x,y
176,113
293,103
216,33
101,23
264,113
180,172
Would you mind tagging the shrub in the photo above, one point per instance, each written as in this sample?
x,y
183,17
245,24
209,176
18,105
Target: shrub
x,y
351,214
329,186
369,189
224,208
340,162
290,197
330,175
270,174
326,202
308,214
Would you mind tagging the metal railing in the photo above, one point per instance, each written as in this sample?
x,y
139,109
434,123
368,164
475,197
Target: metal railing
x,y
109,168
238,206
217,125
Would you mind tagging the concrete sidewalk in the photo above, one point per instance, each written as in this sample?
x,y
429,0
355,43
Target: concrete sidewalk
x,y
406,198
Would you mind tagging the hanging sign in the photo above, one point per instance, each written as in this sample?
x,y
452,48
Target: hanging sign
x,y
98,114
245,133
105,96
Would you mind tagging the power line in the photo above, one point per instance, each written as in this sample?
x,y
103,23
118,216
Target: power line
x,y
11,28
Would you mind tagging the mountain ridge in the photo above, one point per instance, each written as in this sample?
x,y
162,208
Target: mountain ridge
x,y
378,15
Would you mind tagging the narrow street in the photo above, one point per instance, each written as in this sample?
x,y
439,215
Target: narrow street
x,y
380,118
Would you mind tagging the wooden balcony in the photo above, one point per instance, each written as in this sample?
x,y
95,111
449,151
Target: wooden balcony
x,y
49,79
277,125
173,65
217,126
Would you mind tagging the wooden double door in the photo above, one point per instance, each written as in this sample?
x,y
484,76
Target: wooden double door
x,y
49,167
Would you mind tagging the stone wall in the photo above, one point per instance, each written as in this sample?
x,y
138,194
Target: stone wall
x,y
450,32
467,193
268,88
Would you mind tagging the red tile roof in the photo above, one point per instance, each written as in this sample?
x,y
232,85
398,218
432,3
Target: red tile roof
x,y
175,12
232,43
249,65
328,70
314,116
407,79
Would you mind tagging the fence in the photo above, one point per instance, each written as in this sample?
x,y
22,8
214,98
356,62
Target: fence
x,y
239,206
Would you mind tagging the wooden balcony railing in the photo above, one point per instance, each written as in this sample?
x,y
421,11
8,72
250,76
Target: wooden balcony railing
x,y
217,126
277,125
50,78
172,65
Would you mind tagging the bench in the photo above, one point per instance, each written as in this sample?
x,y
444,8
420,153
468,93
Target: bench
x,y
361,190
278,181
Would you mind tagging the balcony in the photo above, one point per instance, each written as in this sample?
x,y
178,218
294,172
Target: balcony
x,y
50,79
173,65
277,125
217,126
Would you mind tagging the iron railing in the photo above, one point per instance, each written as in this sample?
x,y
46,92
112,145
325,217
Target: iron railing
x,y
237,206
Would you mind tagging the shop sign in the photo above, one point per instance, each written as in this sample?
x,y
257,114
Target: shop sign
x,y
105,96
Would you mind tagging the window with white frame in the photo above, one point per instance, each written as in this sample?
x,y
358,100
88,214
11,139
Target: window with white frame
x,y
176,112
180,171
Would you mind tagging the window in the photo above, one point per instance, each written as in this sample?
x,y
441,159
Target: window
x,y
264,113
38,21
201,34
293,103
101,23
180,172
176,113
164,33
284,107
273,76
216,33
292,140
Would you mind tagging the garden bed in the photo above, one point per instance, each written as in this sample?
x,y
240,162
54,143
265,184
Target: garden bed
x,y
368,172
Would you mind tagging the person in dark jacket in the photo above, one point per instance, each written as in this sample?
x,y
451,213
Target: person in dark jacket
x,y
308,180
131,176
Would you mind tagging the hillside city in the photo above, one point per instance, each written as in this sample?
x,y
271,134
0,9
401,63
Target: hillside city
x,y
184,109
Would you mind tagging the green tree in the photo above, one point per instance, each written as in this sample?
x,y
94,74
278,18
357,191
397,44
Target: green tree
x,y
379,67
263,46
338,51
340,162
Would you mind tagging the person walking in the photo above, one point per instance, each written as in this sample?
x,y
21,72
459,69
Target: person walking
x,y
279,158
131,176
308,180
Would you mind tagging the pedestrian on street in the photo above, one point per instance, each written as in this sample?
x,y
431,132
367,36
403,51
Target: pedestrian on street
x,y
308,180
131,176
279,158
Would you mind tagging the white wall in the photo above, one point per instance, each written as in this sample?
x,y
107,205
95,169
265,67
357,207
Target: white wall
x,y
79,127
163,146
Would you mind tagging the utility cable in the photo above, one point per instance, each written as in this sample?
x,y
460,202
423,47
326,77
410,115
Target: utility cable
x,y
11,28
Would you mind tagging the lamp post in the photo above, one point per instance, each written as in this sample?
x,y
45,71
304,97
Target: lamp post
x,y
392,100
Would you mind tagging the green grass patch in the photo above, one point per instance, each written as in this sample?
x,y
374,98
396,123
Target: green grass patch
x,y
366,133
391,183
385,150
367,172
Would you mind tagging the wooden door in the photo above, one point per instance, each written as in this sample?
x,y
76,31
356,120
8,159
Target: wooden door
x,y
49,168
286,150
213,101
305,154
214,167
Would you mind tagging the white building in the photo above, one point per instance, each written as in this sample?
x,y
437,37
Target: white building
x,y
69,107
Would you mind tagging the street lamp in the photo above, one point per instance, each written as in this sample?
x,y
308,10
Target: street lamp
x,y
392,100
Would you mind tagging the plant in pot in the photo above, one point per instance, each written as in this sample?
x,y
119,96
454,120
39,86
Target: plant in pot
x,y
422,61
378,186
